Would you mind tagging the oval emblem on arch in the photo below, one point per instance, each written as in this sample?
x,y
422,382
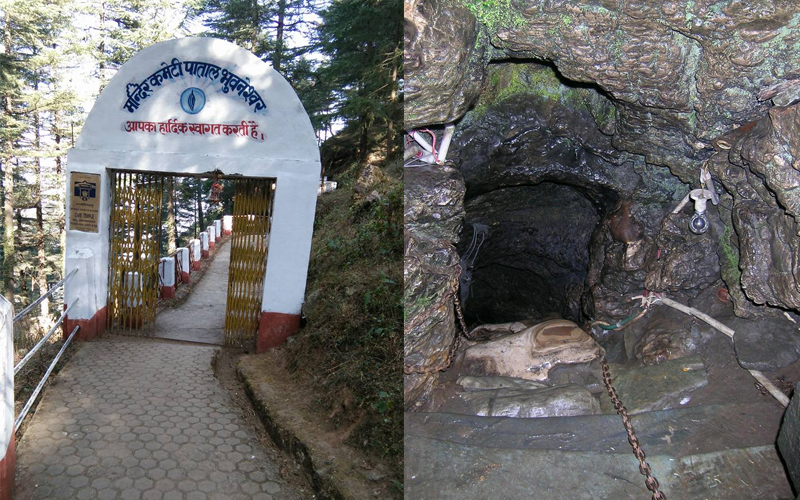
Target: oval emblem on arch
x,y
193,100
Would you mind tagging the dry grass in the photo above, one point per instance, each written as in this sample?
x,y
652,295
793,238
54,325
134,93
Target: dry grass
x,y
27,333
352,345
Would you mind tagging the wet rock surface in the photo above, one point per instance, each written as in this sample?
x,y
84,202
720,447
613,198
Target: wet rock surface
x,y
661,387
767,344
433,211
561,401
681,73
440,83
788,438
455,456
665,334
474,383
532,352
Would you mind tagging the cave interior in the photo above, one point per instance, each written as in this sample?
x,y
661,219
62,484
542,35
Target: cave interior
x,y
557,200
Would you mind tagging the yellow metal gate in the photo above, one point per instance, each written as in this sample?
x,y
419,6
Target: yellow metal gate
x,y
251,225
134,234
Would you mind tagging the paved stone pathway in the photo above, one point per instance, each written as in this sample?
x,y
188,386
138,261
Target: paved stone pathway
x,y
202,317
134,418
142,419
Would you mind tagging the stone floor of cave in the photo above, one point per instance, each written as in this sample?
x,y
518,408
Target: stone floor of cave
x,y
707,430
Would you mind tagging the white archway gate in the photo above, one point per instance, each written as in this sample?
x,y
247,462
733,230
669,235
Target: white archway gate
x,y
194,106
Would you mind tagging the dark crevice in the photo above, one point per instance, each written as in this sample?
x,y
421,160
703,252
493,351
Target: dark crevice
x,y
535,256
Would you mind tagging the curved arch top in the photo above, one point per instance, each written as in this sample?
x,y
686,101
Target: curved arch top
x,y
195,106
200,96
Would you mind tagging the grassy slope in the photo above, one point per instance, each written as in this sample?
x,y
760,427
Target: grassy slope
x,y
351,347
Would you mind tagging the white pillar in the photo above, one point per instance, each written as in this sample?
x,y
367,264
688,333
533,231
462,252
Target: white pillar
x,y
166,271
86,287
204,244
227,224
194,247
218,228
166,274
7,391
183,257
212,233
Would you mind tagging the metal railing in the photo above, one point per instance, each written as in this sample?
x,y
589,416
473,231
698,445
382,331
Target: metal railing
x,y
48,293
41,343
39,387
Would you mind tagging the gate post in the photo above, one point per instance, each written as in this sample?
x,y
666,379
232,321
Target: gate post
x,y
183,255
212,238
84,287
194,247
166,272
7,452
204,244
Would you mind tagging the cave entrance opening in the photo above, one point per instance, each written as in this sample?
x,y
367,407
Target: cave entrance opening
x,y
533,261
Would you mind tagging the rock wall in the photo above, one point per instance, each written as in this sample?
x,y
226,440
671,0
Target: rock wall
x,y
434,209
681,72
623,103
758,164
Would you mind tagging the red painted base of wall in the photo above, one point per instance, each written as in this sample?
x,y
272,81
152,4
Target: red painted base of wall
x,y
184,277
90,328
211,246
274,328
195,265
7,472
167,292
226,232
203,254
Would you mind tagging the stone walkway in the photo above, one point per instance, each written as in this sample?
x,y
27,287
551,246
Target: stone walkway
x,y
206,306
133,418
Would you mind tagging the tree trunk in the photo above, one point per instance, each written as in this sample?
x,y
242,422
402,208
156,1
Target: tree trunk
x,y
59,169
9,256
277,57
393,99
199,198
255,27
41,257
172,229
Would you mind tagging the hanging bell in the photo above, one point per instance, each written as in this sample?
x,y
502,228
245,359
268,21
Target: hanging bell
x,y
216,190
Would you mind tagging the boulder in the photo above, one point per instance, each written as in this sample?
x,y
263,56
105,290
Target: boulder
x,y
562,401
531,353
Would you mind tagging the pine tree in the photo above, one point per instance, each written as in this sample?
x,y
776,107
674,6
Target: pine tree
x,y
362,40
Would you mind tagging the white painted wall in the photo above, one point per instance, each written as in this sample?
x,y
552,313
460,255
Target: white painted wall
x,y
288,154
194,247
183,255
7,370
166,271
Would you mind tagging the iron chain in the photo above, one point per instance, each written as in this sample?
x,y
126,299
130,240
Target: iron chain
x,y
650,481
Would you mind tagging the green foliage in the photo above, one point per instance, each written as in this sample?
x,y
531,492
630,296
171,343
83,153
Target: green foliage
x,y
730,253
360,82
494,14
354,336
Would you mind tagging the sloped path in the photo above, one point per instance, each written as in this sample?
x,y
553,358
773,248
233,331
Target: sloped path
x,y
142,419
134,418
202,317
